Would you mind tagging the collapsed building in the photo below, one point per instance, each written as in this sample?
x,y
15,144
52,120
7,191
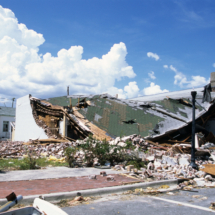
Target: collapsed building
x,y
159,127
165,117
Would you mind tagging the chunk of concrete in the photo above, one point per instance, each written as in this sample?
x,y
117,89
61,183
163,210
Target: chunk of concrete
x,y
183,161
208,178
129,168
110,178
122,144
200,182
200,174
169,160
92,176
150,166
150,158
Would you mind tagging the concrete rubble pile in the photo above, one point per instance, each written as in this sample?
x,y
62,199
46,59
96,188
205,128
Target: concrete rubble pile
x,y
9,149
172,163
163,162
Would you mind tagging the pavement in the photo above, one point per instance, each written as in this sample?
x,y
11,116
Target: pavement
x,y
58,183
51,173
178,203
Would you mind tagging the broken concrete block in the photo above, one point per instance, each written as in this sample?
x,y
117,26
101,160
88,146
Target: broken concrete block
x,y
150,166
169,160
133,174
212,157
143,169
117,167
129,168
136,140
159,155
208,145
110,178
127,138
149,172
150,158
103,173
183,161
182,173
122,144
92,176
200,182
79,198
200,174
208,178
212,206
157,164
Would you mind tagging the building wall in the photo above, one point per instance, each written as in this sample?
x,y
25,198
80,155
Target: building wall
x,y
6,135
63,127
26,127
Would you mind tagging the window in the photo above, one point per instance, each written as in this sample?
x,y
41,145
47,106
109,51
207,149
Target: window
x,y
5,126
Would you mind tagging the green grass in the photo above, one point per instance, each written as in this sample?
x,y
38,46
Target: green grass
x,y
15,164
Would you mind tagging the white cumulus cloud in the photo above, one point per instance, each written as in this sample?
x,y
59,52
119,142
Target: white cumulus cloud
x,y
153,89
181,80
153,55
24,71
130,91
152,75
165,66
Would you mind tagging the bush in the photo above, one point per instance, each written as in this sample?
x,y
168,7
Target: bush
x,y
30,162
69,152
103,151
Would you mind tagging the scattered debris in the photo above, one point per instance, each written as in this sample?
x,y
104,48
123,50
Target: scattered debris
x,y
110,178
103,173
92,176
212,206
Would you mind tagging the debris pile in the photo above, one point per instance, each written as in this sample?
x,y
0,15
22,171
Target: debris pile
x,y
172,162
9,149
164,161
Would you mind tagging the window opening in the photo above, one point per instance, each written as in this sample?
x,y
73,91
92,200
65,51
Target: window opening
x,y
5,126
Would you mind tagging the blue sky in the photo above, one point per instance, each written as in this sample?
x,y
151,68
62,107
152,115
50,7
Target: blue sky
x,y
130,48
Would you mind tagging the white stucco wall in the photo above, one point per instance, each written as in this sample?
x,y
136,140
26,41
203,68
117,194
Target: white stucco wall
x,y
6,135
26,127
62,127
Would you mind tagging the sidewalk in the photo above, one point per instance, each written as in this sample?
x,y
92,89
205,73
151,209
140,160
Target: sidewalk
x,y
61,182
56,179
52,172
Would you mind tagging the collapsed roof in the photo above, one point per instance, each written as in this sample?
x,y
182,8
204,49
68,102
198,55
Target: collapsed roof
x,y
107,116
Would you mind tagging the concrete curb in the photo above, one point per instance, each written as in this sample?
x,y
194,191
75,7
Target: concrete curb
x,y
94,192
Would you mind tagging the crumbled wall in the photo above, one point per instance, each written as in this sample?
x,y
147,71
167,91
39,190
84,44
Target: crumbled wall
x,y
26,127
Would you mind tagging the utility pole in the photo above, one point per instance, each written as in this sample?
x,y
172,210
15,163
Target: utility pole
x,y
67,90
13,99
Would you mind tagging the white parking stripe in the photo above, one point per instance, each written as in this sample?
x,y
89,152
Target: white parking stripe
x,y
182,203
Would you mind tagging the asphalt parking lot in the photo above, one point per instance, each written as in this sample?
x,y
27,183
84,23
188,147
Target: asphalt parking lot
x,y
180,202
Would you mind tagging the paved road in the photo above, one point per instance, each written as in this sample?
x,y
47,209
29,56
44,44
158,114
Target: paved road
x,y
180,203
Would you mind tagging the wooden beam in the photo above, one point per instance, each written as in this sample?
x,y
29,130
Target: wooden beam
x,y
183,141
209,168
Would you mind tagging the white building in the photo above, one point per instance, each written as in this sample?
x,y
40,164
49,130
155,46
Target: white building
x,y
7,116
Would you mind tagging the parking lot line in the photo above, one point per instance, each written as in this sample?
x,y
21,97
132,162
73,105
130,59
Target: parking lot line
x,y
182,203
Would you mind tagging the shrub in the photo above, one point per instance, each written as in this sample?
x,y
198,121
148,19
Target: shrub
x,y
103,151
69,152
30,162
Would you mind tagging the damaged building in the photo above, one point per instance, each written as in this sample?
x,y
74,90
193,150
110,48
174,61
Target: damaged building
x,y
165,117
7,119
